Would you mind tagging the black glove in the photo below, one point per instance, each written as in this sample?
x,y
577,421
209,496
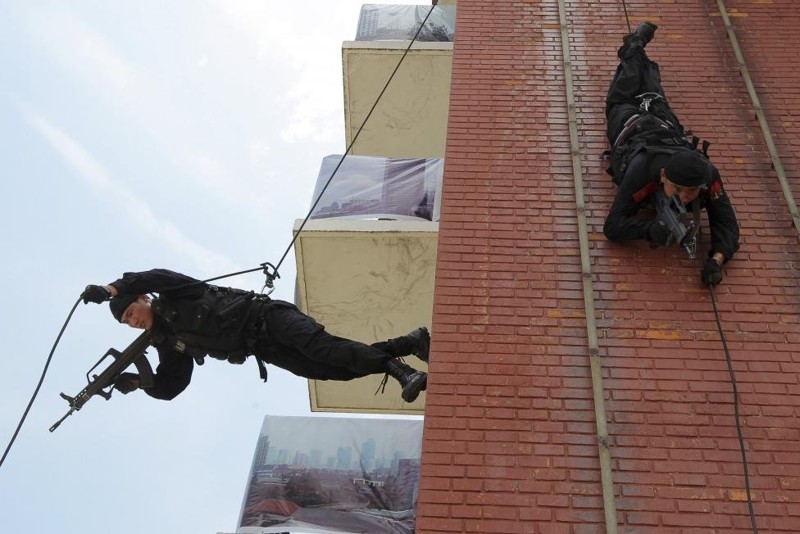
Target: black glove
x,y
96,294
711,274
658,233
126,382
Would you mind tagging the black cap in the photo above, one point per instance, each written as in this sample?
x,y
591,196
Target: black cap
x,y
688,168
119,304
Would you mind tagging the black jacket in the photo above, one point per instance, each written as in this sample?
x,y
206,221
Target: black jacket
x,y
188,324
642,179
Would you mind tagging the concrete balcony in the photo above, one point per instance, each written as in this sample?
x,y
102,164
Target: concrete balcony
x,y
367,280
410,121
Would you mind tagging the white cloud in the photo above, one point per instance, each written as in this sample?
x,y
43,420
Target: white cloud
x,y
314,97
137,212
83,163
168,119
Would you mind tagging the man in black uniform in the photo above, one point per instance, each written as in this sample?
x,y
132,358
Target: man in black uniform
x,y
650,153
190,319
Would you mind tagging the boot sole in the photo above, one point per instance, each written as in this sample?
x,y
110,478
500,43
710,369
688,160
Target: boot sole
x,y
415,386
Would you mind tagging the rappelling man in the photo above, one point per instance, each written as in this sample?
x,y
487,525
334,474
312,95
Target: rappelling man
x,y
656,165
189,320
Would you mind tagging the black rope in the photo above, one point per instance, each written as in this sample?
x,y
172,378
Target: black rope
x,y
39,385
735,411
261,267
627,20
271,276
355,137
730,372
264,267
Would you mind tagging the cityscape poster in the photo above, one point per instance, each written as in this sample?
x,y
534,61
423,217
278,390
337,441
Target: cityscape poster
x,y
370,187
322,475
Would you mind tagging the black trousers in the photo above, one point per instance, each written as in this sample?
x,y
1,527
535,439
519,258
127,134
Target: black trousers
x,y
294,341
636,74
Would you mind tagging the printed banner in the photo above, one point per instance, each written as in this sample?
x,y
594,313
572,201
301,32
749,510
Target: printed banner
x,y
323,475
380,22
367,187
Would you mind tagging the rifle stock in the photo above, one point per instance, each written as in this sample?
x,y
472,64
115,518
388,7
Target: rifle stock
x,y
102,384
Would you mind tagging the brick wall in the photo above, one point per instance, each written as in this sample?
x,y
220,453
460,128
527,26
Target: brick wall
x,y
510,438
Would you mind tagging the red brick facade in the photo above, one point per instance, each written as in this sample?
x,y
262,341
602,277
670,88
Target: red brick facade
x,y
510,440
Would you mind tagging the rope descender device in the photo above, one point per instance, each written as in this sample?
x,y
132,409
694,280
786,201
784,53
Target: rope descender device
x,y
271,276
647,99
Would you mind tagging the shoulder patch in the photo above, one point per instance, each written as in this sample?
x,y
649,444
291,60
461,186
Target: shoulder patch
x,y
716,191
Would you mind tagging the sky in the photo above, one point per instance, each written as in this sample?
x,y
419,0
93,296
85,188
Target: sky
x,y
138,134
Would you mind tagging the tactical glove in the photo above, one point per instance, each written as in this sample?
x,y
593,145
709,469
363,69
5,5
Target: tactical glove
x,y
711,274
126,382
96,294
658,233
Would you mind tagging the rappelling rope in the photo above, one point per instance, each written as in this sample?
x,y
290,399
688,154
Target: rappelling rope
x,y
264,267
275,268
39,385
627,20
735,411
739,433
355,137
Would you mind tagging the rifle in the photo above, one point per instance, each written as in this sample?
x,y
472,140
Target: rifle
x,y
103,384
672,213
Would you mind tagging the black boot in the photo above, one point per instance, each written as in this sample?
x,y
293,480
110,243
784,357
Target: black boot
x,y
645,31
644,34
420,342
412,381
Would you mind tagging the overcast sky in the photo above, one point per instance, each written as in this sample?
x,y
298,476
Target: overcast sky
x,y
141,134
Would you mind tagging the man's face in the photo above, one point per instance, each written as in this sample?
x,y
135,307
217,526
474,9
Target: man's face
x,y
685,194
139,314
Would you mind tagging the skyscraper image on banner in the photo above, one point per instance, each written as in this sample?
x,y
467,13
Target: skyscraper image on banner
x,y
367,187
316,475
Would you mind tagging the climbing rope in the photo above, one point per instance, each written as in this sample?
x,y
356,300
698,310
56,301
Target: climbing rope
x,y
269,270
39,385
735,411
728,359
627,20
355,137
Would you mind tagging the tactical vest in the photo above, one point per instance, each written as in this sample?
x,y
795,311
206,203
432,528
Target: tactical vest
x,y
216,324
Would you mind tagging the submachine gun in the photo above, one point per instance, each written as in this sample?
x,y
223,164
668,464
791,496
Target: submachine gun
x,y
672,213
103,384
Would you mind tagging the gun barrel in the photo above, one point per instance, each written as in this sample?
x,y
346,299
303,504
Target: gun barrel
x,y
58,423
134,354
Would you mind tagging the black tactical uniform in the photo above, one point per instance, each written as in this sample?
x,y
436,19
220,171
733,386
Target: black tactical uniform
x,y
643,142
194,319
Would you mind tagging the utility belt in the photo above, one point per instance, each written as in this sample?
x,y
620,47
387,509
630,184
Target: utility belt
x,y
640,123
